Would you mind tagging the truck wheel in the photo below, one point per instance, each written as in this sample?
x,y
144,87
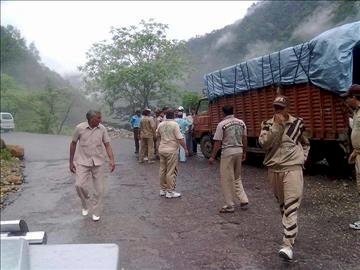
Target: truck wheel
x,y
337,160
206,146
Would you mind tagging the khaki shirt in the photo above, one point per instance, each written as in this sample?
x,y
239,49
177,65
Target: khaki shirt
x,y
90,150
355,132
286,146
169,131
147,127
230,131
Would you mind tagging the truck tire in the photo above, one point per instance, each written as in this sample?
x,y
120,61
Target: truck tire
x,y
337,159
206,146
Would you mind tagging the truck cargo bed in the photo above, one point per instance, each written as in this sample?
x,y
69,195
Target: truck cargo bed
x,y
324,112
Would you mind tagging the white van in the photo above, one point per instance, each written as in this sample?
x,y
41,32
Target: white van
x,y
6,121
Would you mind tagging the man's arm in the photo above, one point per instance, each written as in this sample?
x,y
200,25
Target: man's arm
x,y
216,147
270,135
72,153
183,144
110,155
245,144
305,145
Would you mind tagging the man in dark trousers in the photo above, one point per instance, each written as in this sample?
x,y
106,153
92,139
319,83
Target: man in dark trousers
x,y
135,125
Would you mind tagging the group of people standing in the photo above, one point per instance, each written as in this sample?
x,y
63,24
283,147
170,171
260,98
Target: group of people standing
x,y
144,126
281,137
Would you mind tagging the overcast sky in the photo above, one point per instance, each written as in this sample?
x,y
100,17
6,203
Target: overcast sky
x,y
64,30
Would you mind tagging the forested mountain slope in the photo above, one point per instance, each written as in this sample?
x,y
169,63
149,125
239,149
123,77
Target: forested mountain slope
x,y
39,99
268,26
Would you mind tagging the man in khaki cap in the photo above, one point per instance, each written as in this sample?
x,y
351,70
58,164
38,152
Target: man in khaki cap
x,y
352,99
286,152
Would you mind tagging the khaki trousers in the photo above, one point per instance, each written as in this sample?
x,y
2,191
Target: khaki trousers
x,y
230,179
288,190
146,147
84,175
168,170
357,169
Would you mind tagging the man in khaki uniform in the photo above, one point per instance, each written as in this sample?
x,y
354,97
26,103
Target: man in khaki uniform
x,y
92,137
168,132
352,99
286,152
147,134
231,136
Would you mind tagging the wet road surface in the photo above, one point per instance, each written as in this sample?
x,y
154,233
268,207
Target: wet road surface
x,y
187,233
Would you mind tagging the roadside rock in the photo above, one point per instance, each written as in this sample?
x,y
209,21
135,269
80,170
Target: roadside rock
x,y
16,150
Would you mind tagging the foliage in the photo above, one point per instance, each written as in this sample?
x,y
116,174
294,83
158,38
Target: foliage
x,y
139,64
190,100
5,154
36,111
39,99
13,46
22,62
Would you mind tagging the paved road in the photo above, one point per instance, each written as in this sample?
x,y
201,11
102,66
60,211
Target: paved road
x,y
187,233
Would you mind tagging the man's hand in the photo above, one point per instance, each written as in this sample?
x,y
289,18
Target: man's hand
x,y
211,160
352,157
111,165
186,152
72,167
244,156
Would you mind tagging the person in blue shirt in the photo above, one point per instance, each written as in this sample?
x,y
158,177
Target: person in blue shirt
x,y
183,124
135,124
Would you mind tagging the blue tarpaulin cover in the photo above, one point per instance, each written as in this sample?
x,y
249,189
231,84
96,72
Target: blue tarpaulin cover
x,y
326,61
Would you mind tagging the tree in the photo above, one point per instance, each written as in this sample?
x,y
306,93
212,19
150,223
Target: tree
x,y
13,46
52,106
190,99
138,64
34,51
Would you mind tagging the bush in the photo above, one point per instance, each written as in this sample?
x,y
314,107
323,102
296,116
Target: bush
x,y
5,154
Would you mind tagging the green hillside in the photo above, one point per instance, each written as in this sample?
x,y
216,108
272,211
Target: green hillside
x,y
39,99
267,27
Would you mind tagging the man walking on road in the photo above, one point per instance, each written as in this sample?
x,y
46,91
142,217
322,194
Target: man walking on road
x,y
352,99
92,137
286,152
231,136
135,124
168,132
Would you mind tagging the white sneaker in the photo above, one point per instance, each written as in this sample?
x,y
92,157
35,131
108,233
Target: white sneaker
x,y
172,194
95,218
355,225
162,192
146,159
286,253
84,212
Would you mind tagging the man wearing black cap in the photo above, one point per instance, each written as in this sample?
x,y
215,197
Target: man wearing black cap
x,y
352,99
286,152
